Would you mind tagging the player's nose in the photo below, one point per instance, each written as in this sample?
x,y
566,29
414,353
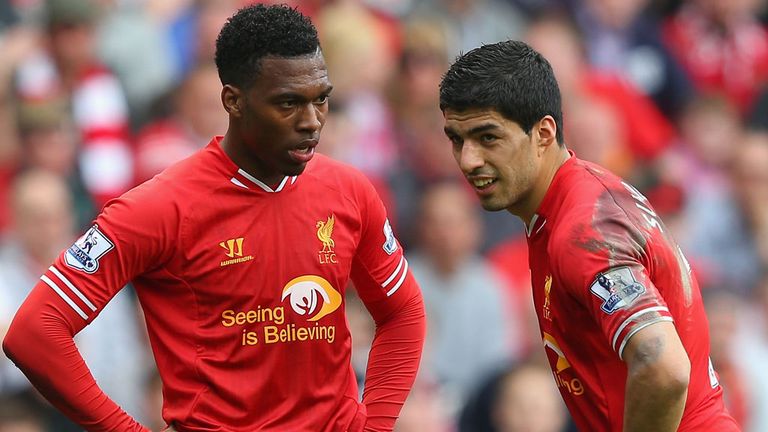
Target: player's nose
x,y
470,158
311,119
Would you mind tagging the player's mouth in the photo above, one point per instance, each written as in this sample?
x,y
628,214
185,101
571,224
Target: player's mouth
x,y
304,152
483,185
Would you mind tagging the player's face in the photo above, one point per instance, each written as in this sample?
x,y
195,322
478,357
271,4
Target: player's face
x,y
496,156
283,114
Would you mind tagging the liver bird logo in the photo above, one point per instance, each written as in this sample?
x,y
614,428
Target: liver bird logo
x,y
324,233
547,289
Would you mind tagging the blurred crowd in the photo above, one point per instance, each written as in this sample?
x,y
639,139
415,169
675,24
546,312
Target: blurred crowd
x,y
97,96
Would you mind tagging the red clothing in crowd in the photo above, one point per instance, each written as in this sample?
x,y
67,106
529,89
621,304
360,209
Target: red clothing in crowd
x,y
731,58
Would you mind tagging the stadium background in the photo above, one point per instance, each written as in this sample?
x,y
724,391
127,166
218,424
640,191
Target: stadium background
x,y
97,96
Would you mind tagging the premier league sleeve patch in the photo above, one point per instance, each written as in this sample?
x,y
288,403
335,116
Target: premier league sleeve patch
x,y
618,289
390,244
85,253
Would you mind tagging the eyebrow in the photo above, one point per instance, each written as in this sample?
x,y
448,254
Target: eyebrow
x,y
483,128
475,130
290,94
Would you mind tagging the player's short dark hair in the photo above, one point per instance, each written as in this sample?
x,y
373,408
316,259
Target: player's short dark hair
x,y
509,77
258,31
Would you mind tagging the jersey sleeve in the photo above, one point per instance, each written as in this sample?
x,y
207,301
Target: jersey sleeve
x,y
379,269
392,296
133,234
605,267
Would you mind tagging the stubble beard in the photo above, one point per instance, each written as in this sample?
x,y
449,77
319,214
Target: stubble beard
x,y
496,202
492,205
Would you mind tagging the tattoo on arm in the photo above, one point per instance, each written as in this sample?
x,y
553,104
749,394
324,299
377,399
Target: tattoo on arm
x,y
648,351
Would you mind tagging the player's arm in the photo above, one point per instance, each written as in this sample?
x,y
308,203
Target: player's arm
x,y
72,293
40,342
658,371
393,298
395,352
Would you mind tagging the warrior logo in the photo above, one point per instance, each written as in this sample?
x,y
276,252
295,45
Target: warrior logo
x,y
234,247
234,250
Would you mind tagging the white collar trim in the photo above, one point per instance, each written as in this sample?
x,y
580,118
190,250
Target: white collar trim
x,y
261,184
531,225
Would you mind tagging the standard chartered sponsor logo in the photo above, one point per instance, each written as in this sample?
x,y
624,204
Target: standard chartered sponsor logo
x,y
308,296
305,294
561,368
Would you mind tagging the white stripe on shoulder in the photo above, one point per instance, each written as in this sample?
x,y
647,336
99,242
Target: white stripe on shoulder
x,y
64,296
399,282
238,183
394,273
637,329
633,316
72,287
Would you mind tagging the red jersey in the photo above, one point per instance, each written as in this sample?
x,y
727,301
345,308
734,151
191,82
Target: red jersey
x,y
242,287
603,267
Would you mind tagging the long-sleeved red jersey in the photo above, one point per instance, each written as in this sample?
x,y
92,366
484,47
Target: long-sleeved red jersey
x,y
242,287
603,267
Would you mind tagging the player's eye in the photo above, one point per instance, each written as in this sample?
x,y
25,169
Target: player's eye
x,y
287,104
321,100
488,138
456,141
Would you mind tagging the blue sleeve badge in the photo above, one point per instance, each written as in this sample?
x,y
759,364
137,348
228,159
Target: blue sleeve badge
x,y
85,253
618,288
390,244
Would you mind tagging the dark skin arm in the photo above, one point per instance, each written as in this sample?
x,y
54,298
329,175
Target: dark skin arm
x,y
658,372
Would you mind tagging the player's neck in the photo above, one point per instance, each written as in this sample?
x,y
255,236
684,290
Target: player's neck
x,y
235,150
551,163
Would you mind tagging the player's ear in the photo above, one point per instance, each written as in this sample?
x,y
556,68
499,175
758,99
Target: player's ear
x,y
546,132
231,99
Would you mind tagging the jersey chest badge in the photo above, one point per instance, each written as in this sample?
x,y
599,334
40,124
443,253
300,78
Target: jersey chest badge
x,y
326,255
545,310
